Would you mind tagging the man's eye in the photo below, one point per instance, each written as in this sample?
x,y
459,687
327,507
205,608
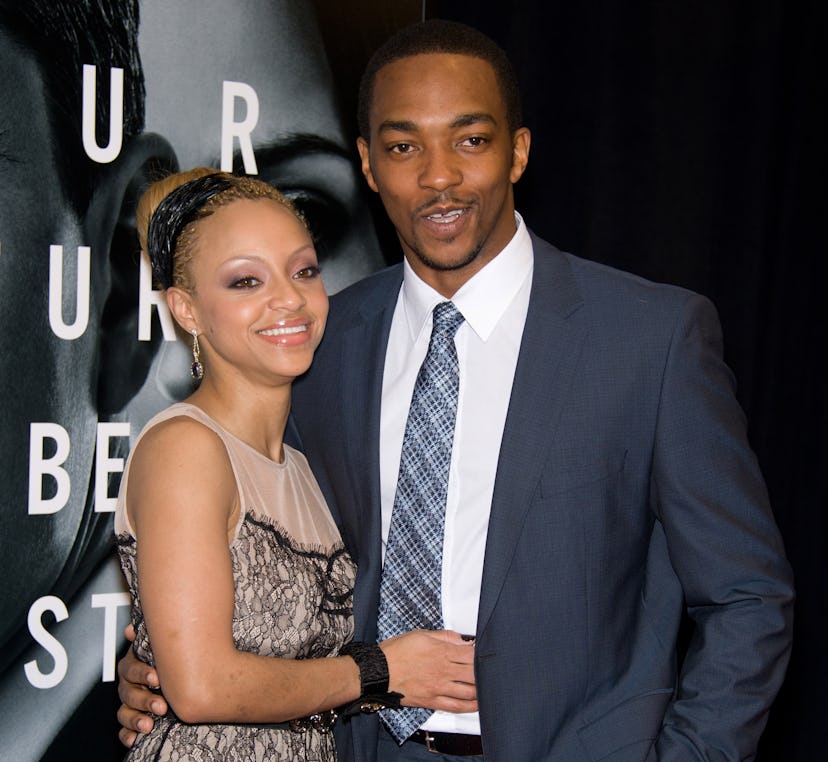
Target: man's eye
x,y
475,141
401,148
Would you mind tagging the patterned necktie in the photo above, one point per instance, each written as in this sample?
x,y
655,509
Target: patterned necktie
x,y
410,588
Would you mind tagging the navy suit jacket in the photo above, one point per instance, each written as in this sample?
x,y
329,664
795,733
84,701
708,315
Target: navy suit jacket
x,y
626,494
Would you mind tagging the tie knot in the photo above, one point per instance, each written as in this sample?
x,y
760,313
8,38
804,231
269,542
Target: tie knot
x,y
447,319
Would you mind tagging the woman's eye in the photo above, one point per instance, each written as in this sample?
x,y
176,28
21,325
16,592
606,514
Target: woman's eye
x,y
248,281
308,272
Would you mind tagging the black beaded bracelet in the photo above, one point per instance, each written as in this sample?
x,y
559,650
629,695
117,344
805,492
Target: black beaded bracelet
x,y
373,667
373,679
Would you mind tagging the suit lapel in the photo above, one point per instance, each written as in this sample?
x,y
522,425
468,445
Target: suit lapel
x,y
549,353
363,361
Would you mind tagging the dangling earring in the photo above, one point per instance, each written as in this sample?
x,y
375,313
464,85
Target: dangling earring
x,y
196,369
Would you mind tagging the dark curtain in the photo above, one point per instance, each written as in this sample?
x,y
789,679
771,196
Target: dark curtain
x,y
686,141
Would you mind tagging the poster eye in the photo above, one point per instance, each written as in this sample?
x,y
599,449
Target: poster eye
x,y
326,218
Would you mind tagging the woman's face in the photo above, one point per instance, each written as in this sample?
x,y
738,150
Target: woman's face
x,y
258,301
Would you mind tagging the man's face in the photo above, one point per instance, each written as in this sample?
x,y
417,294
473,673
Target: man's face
x,y
43,378
299,141
443,160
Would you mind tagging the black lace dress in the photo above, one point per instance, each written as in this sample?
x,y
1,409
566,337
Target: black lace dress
x,y
293,598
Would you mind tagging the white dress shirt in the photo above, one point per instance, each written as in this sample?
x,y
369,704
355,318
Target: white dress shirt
x,y
494,303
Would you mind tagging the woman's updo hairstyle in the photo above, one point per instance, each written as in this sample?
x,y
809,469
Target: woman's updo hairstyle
x,y
168,213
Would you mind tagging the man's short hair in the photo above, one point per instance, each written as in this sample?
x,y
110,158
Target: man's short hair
x,y
440,36
62,36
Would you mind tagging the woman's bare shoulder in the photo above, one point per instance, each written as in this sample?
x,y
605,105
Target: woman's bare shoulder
x,y
181,450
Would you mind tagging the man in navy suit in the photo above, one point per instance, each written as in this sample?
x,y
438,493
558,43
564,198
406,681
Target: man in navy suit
x,y
601,484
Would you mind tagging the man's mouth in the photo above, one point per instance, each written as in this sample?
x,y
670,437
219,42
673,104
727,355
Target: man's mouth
x,y
444,218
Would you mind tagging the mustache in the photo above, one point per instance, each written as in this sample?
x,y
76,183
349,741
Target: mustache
x,y
442,199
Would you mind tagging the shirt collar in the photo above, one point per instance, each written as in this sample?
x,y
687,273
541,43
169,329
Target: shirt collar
x,y
483,299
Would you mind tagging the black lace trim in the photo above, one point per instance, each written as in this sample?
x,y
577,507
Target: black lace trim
x,y
331,604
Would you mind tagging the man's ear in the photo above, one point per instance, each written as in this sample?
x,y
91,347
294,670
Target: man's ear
x,y
109,224
365,160
521,140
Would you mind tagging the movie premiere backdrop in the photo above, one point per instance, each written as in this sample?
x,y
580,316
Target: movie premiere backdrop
x,y
669,139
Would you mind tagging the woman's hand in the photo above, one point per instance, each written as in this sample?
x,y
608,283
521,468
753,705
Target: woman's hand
x,y
432,669
136,680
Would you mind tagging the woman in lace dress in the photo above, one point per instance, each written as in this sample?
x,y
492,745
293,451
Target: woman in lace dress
x,y
241,587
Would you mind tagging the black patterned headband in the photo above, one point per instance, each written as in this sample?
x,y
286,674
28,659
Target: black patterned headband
x,y
178,209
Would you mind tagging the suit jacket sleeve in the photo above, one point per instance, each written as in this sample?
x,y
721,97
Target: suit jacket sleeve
x,y
725,548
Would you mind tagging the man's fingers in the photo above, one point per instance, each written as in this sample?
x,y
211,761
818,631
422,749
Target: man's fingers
x,y
140,699
135,671
133,720
127,737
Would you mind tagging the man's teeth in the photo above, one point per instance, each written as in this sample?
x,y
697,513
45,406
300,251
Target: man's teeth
x,y
447,217
284,331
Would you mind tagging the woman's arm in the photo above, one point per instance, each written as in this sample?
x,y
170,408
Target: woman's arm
x,y
454,692
183,503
